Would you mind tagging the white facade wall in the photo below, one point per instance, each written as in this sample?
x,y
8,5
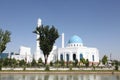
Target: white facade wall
x,y
25,50
24,54
87,53
27,58
18,57
52,55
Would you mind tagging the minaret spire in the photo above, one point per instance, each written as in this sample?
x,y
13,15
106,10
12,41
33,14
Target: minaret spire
x,y
38,52
62,40
39,22
37,42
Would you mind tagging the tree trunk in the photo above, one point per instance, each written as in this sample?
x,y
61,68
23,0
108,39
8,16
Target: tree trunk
x,y
46,57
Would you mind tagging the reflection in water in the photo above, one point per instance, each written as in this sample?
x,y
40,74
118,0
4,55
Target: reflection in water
x,y
59,77
117,77
46,77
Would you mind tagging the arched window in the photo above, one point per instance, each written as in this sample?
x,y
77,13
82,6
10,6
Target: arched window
x,y
81,56
61,57
67,56
74,56
74,44
93,57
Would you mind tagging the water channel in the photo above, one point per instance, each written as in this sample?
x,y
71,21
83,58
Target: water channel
x,y
59,76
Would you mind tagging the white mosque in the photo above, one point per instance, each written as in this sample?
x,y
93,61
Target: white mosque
x,y
74,50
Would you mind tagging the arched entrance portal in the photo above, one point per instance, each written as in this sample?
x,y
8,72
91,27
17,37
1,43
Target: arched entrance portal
x,y
67,56
61,57
74,56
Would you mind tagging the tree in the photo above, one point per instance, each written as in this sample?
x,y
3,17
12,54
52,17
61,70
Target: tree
x,y
4,39
87,63
47,37
116,64
13,62
1,64
40,62
22,63
6,62
82,60
62,62
75,63
104,59
33,63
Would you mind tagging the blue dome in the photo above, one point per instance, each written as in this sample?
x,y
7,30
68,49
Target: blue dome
x,y
75,39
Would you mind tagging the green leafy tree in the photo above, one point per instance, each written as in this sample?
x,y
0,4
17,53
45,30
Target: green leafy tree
x,y
47,37
51,63
40,62
116,65
4,39
47,68
87,63
62,63
6,62
75,63
13,63
1,64
22,63
104,59
33,63
82,60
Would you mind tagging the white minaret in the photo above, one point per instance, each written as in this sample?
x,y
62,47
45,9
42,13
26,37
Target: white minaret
x,y
37,42
38,52
62,40
39,22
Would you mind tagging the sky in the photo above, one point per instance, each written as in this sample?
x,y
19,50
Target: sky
x,y
96,22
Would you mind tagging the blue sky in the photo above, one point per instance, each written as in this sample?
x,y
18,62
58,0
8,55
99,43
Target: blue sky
x,y
97,22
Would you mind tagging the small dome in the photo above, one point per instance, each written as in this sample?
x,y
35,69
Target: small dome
x,y
75,39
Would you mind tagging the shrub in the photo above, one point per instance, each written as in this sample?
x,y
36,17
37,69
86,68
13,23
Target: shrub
x,y
24,68
62,63
70,68
47,68
0,67
116,67
51,63
87,63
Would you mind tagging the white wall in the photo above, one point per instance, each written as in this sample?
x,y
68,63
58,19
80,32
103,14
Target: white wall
x,y
87,53
25,50
24,54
